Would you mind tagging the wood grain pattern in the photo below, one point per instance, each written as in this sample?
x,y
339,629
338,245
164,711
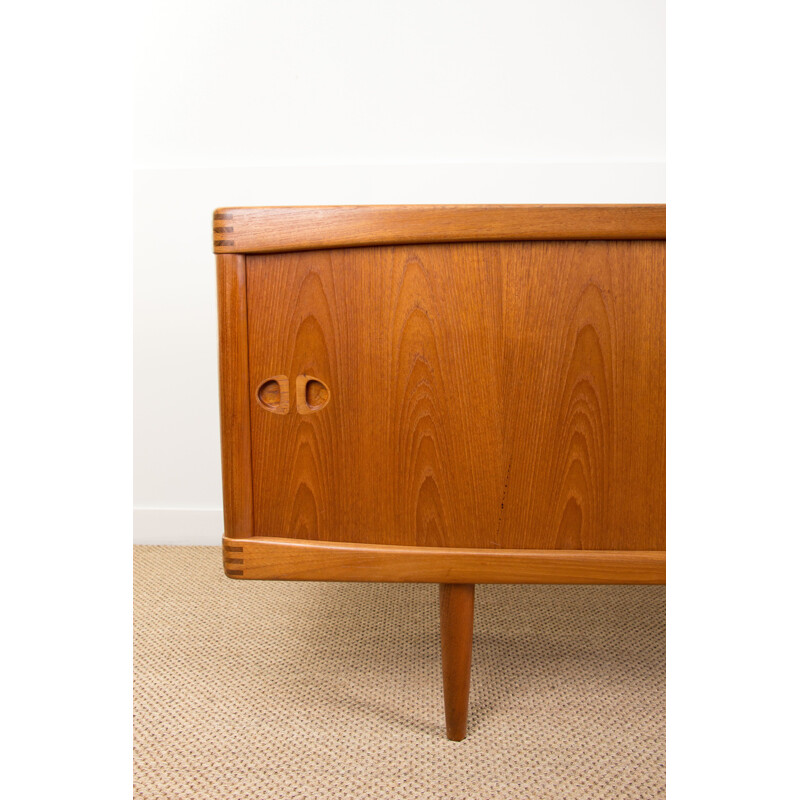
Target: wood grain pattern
x,y
298,559
284,229
456,614
234,396
481,395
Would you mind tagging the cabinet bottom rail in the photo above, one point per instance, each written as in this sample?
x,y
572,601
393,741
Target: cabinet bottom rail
x,y
260,558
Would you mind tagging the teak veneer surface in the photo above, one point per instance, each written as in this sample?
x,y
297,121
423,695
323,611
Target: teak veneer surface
x,y
477,395
291,228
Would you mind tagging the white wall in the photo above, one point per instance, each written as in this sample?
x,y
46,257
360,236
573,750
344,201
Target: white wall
x,y
311,102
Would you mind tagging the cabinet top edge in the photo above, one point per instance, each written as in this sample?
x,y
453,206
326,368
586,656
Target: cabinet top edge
x,y
280,229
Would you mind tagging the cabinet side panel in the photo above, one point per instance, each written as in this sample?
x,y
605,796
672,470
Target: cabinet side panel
x,y
237,484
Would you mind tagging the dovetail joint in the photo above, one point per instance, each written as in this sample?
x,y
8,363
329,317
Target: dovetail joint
x,y
222,230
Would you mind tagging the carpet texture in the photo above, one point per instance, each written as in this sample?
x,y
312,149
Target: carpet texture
x,y
261,690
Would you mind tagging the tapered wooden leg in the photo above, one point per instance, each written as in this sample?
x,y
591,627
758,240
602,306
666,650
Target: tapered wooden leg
x,y
456,605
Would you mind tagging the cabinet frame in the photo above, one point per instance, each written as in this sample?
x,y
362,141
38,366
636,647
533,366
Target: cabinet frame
x,y
242,231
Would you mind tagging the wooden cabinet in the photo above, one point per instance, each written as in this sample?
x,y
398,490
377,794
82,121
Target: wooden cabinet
x,y
449,394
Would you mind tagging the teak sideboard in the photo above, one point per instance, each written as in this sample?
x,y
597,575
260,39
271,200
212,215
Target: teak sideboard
x,y
446,394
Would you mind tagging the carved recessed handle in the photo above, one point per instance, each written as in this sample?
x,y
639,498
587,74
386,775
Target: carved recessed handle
x,y
273,394
312,394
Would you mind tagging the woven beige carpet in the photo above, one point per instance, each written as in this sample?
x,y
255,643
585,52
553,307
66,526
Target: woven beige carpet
x,y
250,689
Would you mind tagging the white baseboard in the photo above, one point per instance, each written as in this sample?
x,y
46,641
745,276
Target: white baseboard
x,y
177,526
